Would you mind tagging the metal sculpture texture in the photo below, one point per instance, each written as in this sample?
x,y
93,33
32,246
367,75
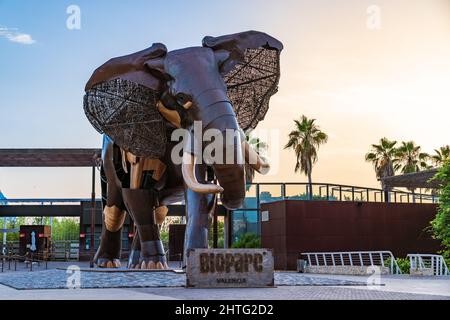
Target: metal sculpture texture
x,y
138,101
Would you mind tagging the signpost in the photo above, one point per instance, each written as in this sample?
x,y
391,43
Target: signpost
x,y
229,268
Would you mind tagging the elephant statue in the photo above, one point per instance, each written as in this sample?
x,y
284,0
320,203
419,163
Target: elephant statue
x,y
139,101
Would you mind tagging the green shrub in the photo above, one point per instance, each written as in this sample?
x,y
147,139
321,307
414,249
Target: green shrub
x,y
441,223
403,264
247,240
220,234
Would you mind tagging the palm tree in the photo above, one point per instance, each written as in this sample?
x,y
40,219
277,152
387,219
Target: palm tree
x,y
382,156
441,155
409,158
305,140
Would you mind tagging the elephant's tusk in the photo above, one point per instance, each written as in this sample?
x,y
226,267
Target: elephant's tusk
x,y
188,170
188,105
254,159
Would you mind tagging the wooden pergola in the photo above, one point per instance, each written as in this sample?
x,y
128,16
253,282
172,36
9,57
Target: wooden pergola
x,y
56,158
416,180
49,157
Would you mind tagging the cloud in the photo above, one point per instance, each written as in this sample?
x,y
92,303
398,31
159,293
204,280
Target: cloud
x,y
14,35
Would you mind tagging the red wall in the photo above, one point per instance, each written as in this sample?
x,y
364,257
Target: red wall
x,y
315,226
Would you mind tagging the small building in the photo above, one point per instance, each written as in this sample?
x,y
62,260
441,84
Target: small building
x,y
35,240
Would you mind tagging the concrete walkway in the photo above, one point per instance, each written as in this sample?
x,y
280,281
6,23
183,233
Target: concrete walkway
x,y
394,288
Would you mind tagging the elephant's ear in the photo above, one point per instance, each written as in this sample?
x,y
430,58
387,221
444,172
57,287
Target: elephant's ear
x,y
121,100
251,72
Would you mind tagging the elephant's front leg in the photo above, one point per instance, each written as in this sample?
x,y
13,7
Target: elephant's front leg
x,y
135,253
140,204
140,200
200,209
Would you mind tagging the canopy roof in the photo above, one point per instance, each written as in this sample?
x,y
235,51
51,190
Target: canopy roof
x,y
414,180
48,157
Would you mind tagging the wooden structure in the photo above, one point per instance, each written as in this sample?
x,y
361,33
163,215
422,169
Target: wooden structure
x,y
49,157
35,240
176,241
293,227
422,179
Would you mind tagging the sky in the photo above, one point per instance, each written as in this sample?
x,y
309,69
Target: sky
x,y
364,69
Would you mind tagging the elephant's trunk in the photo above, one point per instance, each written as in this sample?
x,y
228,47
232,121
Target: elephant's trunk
x,y
230,176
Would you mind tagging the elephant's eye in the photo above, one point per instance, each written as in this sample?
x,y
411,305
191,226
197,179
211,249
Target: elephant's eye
x,y
184,100
181,98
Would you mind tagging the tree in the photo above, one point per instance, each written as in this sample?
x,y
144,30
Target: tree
x,y
65,229
409,158
441,155
441,223
382,156
305,140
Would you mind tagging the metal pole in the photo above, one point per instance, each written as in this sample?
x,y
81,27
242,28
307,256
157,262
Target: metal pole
x,y
258,210
230,228
215,231
92,217
215,224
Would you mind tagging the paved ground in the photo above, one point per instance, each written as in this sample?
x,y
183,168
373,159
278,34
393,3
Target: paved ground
x,y
394,288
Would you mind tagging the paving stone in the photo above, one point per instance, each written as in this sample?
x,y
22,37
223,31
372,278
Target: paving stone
x,y
62,279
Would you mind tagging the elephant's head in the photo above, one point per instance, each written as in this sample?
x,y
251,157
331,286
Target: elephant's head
x,y
226,84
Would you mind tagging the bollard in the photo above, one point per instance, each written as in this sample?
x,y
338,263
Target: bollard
x,y
301,265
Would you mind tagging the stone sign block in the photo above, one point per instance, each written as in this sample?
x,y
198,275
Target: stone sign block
x,y
425,272
229,268
346,270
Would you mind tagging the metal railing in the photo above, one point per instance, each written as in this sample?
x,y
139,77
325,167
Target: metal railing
x,y
29,260
64,250
429,261
258,193
51,201
354,258
267,191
